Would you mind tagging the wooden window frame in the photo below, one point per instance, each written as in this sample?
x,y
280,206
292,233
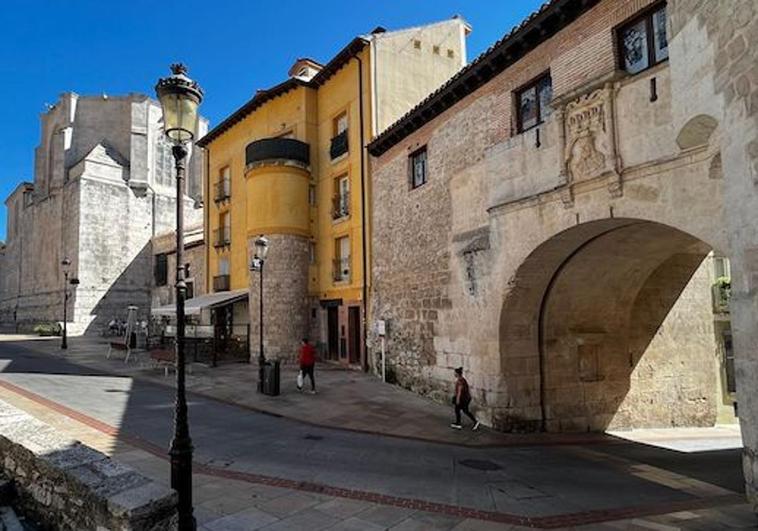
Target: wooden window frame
x,y
533,83
646,15
411,167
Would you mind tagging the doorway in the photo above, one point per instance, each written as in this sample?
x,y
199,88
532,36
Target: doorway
x,y
354,336
332,324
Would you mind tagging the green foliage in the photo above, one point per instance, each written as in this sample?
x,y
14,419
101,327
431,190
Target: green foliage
x,y
47,329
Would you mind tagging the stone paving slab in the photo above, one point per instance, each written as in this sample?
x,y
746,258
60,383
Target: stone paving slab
x,y
212,487
347,399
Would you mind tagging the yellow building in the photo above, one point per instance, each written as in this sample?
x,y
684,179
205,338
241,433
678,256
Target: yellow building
x,y
291,164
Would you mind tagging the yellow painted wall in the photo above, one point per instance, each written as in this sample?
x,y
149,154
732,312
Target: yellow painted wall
x,y
277,117
340,94
274,199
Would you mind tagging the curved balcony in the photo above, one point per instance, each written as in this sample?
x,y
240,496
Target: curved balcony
x,y
277,149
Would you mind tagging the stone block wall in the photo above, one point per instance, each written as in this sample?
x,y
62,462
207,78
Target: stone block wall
x,y
716,42
286,311
63,484
99,196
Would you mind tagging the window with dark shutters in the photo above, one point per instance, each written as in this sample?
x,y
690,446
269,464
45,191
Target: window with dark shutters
x,y
161,269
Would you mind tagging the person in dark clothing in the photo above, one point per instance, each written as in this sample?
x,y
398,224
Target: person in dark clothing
x,y
308,363
461,401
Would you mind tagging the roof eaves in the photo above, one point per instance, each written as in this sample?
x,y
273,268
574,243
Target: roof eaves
x,y
340,60
261,97
503,53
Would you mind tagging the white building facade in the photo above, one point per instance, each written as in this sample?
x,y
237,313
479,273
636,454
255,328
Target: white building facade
x,y
103,187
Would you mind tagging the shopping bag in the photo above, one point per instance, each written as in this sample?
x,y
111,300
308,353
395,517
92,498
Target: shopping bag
x,y
300,380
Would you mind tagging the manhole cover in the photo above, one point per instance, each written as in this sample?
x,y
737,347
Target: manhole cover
x,y
477,464
313,437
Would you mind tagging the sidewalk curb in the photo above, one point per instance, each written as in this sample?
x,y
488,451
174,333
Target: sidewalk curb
x,y
538,439
543,522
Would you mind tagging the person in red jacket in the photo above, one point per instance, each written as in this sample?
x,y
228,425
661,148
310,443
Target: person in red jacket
x,y
307,363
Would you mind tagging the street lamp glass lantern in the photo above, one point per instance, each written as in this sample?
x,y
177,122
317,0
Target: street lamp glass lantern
x,y
65,264
180,97
261,247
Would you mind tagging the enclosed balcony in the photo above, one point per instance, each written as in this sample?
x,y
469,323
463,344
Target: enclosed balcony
x,y
222,237
271,149
338,146
221,283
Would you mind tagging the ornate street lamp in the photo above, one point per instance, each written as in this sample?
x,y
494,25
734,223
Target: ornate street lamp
x,y
65,265
261,250
180,97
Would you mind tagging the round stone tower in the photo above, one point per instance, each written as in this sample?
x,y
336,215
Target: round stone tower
x,y
277,175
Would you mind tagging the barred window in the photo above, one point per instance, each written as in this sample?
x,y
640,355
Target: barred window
x,y
417,167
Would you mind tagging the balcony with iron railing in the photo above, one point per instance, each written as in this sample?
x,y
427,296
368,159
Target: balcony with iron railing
x,y
223,190
341,269
273,149
341,205
222,237
221,283
338,145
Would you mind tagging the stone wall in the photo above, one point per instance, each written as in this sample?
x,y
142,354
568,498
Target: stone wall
x,y
102,189
63,484
194,255
462,264
286,311
716,42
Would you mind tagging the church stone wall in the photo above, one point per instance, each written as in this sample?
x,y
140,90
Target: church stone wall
x,y
98,198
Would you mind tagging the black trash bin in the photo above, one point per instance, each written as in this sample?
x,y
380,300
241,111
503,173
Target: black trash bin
x,y
270,384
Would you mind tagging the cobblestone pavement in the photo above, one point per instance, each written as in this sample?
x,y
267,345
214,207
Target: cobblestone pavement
x,y
259,471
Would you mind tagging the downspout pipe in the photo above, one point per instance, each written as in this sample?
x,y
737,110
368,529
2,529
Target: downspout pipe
x,y
364,231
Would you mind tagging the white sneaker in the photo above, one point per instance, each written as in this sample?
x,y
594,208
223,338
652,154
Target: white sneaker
x,y
456,426
312,391
476,426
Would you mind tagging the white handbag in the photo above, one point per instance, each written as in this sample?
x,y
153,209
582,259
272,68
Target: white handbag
x,y
300,380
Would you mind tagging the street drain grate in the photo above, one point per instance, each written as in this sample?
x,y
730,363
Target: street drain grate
x,y
476,464
313,438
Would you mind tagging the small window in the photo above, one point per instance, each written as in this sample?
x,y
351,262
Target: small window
x,y
417,167
223,266
417,44
341,199
450,54
161,269
643,43
436,50
533,103
340,124
342,259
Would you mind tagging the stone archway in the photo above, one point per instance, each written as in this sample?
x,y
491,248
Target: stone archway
x,y
605,326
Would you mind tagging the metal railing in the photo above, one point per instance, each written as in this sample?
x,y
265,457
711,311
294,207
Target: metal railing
x,y
207,344
339,145
223,190
222,236
277,149
341,205
221,283
341,269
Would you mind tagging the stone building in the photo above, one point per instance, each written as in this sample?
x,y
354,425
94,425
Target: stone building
x,y
103,187
542,220
163,248
291,164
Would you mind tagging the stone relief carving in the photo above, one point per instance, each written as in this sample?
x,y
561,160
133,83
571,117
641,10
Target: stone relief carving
x,y
590,144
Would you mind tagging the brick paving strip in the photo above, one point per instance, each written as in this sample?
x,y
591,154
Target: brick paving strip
x,y
544,522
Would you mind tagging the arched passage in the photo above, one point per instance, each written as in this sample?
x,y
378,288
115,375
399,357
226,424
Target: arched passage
x,y
596,332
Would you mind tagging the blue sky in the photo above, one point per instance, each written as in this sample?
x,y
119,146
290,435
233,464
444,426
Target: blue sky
x,y
231,47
